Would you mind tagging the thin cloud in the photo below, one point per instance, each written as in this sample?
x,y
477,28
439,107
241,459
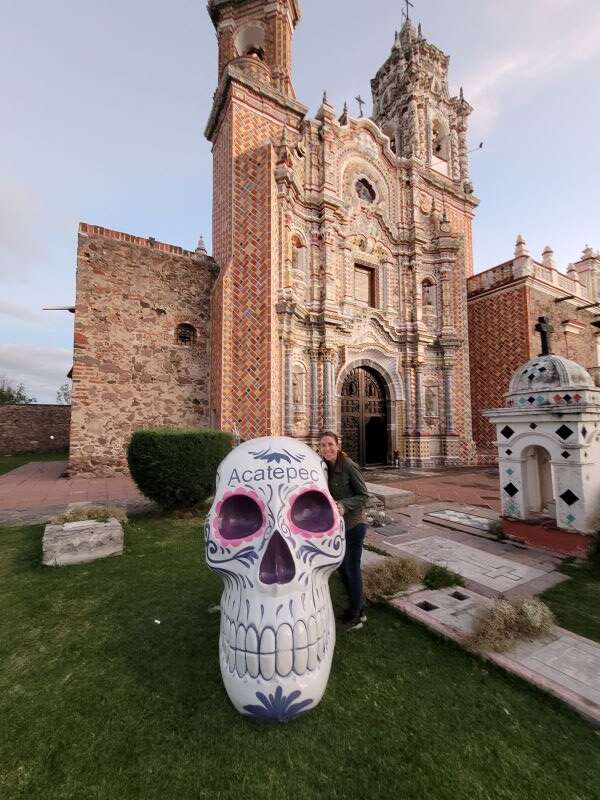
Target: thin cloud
x,y
536,59
41,369
22,313
21,246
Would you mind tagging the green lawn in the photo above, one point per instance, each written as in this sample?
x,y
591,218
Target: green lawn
x,y
99,702
576,603
8,463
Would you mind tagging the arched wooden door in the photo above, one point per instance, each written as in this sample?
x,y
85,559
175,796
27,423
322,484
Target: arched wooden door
x,y
365,417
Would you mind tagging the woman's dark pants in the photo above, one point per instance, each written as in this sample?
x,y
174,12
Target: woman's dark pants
x,y
349,569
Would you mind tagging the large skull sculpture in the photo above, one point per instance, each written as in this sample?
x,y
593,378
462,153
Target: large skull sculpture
x,y
275,535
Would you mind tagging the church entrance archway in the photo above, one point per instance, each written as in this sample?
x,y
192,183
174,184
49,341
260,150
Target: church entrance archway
x,y
540,493
365,417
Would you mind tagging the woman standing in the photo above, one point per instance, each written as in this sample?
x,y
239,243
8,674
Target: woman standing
x,y
348,489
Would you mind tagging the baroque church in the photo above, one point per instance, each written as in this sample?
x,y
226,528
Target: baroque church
x,y
336,294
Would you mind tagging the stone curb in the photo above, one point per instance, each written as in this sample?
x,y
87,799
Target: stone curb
x,y
585,708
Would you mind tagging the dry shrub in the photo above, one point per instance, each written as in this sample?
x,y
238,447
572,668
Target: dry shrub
x,y
390,577
95,513
507,622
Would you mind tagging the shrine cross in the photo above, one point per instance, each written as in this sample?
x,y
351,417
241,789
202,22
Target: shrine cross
x,y
545,329
361,103
406,13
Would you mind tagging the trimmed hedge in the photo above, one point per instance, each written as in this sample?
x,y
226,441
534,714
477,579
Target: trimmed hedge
x,y
177,468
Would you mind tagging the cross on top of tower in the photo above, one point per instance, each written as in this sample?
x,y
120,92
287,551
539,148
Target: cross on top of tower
x,y
406,13
361,103
545,329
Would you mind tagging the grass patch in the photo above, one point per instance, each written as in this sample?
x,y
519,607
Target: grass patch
x,y
8,463
438,577
576,603
98,701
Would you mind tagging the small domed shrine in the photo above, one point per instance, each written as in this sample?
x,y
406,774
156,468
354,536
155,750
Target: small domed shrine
x,y
548,439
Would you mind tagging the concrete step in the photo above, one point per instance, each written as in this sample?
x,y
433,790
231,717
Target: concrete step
x,y
390,497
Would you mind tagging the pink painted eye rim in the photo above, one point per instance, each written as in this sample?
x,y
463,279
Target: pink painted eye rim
x,y
309,534
239,492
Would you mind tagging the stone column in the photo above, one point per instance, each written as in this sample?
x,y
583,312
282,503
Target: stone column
x,y
408,407
420,426
289,391
446,298
328,390
448,402
314,392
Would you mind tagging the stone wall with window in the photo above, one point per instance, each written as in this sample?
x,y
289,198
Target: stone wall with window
x,y
142,344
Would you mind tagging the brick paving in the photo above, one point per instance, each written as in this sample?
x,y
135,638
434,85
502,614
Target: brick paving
x,y
37,491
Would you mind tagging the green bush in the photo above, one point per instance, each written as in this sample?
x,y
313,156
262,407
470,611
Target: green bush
x,y
177,468
594,548
440,577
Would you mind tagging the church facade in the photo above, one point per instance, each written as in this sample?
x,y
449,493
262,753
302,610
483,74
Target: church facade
x,y
336,294
344,245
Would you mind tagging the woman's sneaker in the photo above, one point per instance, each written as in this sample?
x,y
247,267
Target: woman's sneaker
x,y
347,616
354,623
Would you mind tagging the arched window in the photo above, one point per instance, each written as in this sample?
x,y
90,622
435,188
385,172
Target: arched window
x,y
365,191
250,40
185,334
440,143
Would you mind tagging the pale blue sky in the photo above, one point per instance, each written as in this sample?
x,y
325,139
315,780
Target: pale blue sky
x,y
105,105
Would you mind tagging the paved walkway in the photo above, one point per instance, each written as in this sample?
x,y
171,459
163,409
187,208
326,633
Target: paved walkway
x,y
476,486
37,491
562,663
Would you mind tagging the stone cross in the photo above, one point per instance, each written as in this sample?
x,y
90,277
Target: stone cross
x,y
409,5
545,329
361,103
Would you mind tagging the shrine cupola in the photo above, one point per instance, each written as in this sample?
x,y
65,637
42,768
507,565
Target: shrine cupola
x,y
545,377
255,36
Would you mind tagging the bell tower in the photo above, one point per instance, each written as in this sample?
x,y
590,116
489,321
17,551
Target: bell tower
x,y
254,108
413,106
251,29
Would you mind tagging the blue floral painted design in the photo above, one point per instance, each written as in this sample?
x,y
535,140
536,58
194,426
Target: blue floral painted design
x,y
268,456
277,707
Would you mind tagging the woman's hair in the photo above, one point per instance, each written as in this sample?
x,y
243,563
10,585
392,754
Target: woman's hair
x,y
331,434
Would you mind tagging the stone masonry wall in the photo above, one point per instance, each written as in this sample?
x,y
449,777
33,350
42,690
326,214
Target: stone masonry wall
x,y
34,428
129,370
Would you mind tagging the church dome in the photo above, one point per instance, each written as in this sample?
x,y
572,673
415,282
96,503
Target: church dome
x,y
550,373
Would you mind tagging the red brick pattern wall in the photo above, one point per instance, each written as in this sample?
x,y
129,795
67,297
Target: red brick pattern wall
x,y
499,344
34,428
243,237
579,347
129,371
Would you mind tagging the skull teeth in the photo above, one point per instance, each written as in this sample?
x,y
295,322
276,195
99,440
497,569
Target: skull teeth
x,y
270,652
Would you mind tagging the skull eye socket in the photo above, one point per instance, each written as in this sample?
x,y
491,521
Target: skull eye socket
x,y
312,512
240,517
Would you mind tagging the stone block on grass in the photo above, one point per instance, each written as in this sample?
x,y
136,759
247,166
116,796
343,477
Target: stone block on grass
x,y
81,542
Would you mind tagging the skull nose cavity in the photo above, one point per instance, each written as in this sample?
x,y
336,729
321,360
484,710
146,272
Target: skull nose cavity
x,y
277,565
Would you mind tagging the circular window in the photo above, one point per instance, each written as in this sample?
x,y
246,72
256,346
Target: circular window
x,y
365,191
185,334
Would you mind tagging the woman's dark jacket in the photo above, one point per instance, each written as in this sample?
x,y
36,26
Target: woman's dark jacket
x,y
348,487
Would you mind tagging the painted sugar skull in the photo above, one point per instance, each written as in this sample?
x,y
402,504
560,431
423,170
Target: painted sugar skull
x,y
275,535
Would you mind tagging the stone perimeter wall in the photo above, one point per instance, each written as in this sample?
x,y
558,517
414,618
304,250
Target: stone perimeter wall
x,y
129,370
28,428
